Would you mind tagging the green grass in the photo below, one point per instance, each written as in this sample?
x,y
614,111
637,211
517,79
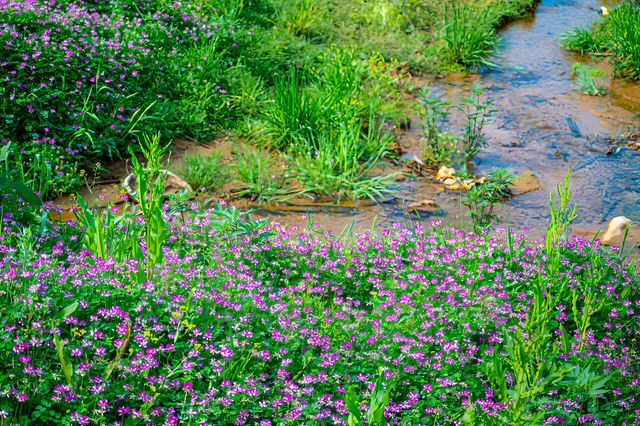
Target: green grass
x,y
343,165
296,115
203,170
468,36
258,176
583,40
625,34
617,34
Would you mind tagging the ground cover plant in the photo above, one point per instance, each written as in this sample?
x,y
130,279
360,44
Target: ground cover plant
x,y
241,322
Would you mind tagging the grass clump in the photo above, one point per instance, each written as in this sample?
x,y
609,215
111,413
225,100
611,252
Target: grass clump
x,y
258,176
343,165
203,171
468,36
583,40
624,22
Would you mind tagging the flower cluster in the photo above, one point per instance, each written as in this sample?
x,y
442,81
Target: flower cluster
x,y
275,330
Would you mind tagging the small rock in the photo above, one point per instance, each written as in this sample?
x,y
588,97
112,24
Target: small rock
x,y
525,182
633,145
614,234
422,204
445,173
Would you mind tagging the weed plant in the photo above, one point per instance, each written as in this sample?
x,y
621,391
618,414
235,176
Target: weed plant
x,y
478,112
258,176
438,145
484,195
590,80
204,171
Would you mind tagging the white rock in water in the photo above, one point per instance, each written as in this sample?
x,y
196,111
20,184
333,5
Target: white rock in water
x,y
615,230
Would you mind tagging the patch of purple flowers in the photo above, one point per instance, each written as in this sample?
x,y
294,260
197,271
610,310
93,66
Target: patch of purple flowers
x,y
249,330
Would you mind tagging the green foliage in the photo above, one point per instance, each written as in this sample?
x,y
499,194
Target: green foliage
x,y
231,222
150,197
297,16
484,195
561,216
584,40
624,23
203,170
468,36
438,146
108,234
535,364
374,416
512,9
297,114
256,171
19,200
344,162
590,80
477,113
75,106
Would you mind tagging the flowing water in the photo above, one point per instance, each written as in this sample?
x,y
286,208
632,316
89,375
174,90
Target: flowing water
x,y
544,126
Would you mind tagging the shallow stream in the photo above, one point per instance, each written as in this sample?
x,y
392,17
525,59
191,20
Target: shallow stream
x,y
544,126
